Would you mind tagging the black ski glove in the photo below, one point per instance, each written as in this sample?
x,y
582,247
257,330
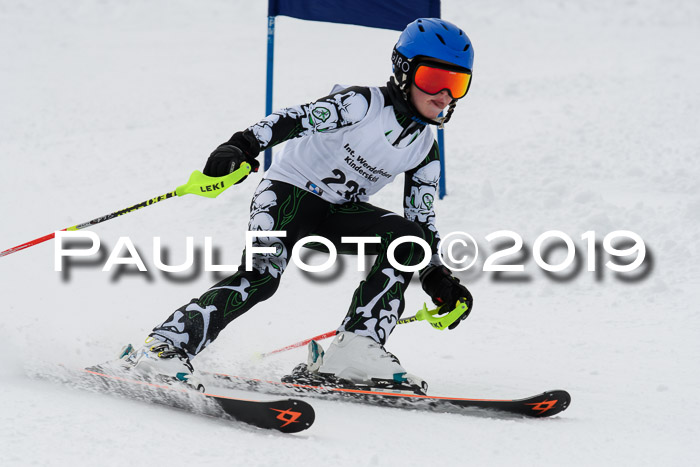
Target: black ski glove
x,y
230,155
445,289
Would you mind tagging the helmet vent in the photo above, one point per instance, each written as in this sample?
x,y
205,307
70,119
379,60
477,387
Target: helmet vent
x,y
420,26
441,39
465,48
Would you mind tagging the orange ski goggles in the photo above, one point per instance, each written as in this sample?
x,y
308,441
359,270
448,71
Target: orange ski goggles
x,y
432,80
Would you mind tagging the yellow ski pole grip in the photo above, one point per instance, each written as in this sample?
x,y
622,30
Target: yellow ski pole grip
x,y
211,187
438,321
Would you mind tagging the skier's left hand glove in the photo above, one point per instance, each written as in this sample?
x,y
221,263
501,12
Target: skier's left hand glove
x,y
242,147
227,158
445,289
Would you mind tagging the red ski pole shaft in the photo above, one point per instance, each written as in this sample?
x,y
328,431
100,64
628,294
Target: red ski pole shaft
x,y
423,315
325,335
45,238
198,184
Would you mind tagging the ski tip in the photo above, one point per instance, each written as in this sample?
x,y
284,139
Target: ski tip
x,y
548,403
291,415
285,415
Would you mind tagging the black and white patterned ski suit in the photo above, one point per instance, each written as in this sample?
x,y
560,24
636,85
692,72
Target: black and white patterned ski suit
x,y
340,150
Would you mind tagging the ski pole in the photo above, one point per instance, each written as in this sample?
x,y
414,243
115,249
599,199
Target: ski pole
x,y
433,317
320,337
198,184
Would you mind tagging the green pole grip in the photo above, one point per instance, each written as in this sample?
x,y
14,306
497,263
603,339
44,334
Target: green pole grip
x,y
438,321
211,187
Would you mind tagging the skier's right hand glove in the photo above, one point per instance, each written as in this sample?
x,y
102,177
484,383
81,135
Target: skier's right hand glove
x,y
445,290
242,147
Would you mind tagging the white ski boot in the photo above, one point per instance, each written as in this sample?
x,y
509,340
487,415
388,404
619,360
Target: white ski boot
x,y
158,361
363,362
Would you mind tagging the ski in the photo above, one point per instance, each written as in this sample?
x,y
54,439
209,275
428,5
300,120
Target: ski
x,y
285,415
542,405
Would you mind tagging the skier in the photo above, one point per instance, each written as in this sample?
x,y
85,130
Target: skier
x,y
340,149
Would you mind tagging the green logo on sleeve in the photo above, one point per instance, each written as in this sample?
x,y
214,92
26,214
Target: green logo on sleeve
x,y
321,113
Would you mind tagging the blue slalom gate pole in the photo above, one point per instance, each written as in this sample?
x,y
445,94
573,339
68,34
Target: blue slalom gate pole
x,y
268,91
442,187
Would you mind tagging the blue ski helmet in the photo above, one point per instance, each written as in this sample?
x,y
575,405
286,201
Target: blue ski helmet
x,y
426,39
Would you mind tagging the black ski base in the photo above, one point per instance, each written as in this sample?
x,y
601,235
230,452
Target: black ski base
x,y
547,404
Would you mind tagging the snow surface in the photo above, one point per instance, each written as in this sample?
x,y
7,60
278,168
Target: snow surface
x,y
582,117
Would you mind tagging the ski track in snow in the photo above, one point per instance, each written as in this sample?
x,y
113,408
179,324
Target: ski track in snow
x,y
581,117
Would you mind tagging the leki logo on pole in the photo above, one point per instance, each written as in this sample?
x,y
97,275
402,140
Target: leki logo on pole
x,y
288,416
543,406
